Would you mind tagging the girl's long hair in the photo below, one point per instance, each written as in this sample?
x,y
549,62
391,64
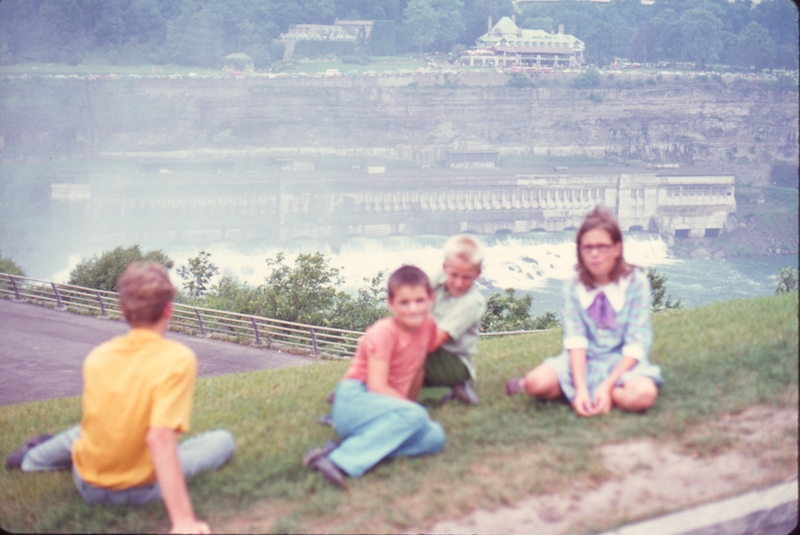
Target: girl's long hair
x,y
599,218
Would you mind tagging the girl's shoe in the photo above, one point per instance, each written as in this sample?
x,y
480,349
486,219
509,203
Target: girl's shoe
x,y
514,386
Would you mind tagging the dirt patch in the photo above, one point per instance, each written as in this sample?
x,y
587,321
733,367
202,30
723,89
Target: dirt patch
x,y
750,450
753,449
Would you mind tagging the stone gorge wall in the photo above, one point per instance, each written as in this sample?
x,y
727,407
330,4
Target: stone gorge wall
x,y
734,128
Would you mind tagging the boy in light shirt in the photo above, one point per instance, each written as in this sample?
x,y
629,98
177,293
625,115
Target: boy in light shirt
x,y
458,308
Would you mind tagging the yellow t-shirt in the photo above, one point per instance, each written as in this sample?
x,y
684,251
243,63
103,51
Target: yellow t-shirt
x,y
131,383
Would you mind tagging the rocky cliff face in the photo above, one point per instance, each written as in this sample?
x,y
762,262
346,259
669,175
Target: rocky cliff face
x,y
735,128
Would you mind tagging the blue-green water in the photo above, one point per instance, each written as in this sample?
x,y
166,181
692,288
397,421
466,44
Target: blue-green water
x,y
698,282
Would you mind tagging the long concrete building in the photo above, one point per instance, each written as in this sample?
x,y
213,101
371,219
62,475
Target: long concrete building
x,y
676,204
320,205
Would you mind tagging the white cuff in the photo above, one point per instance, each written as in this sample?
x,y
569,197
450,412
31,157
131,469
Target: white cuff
x,y
633,350
576,342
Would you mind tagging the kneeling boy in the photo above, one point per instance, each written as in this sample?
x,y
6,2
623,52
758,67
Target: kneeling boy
x,y
371,410
458,308
137,398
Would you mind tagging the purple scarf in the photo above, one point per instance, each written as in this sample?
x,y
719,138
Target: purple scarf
x,y
601,312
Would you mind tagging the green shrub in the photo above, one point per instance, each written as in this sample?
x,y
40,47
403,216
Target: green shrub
x,y
102,272
787,281
7,265
509,313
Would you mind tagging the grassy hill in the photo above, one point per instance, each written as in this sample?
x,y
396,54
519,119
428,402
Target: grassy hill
x,y
718,359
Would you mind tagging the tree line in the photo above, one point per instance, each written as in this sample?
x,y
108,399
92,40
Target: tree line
x,y
200,33
306,291
738,33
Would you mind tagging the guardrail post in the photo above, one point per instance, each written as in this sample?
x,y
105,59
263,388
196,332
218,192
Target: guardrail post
x,y
255,329
200,321
102,306
16,290
315,348
58,295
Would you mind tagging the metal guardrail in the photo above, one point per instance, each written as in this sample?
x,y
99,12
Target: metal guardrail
x,y
229,326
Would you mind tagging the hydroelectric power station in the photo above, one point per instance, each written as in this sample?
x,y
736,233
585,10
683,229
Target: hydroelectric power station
x,y
173,206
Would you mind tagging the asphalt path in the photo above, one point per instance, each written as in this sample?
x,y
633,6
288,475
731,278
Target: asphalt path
x,y
42,351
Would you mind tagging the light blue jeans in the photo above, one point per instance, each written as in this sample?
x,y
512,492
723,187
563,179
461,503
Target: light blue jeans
x,y
375,427
207,451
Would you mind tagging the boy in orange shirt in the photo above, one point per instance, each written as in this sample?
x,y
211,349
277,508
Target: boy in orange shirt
x,y
137,398
371,409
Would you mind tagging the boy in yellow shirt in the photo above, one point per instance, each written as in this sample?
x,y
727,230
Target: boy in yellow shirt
x,y
137,398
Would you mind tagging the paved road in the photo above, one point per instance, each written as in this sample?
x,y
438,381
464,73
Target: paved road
x,y
42,350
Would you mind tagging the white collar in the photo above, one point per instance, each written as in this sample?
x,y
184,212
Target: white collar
x,y
615,293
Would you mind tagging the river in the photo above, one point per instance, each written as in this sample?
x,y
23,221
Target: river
x,y
536,263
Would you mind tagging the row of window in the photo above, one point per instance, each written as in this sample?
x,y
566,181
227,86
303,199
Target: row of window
x,y
696,191
637,193
540,44
576,195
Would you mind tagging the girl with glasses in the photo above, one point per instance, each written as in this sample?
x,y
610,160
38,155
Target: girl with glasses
x,y
607,331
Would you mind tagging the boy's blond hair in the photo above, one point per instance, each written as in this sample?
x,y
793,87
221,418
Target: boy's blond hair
x,y
465,247
144,291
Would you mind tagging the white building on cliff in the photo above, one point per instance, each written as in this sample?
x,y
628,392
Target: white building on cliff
x,y
505,44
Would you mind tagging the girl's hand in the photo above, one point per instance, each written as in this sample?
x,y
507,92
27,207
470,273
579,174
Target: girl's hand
x,y
582,403
602,398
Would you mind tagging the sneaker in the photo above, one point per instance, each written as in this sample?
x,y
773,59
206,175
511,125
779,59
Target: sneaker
x,y
326,419
329,470
514,386
330,397
464,393
15,459
314,453
317,459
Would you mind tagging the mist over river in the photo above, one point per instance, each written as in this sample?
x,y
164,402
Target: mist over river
x,y
536,263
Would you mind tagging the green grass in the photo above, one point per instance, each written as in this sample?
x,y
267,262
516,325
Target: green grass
x,y
716,359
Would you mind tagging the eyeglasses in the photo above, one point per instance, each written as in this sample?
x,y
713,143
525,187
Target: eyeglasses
x,y
601,248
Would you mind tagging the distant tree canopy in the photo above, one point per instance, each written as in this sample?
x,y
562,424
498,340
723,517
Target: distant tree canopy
x,y
702,32
308,290
200,32
7,265
102,272
506,313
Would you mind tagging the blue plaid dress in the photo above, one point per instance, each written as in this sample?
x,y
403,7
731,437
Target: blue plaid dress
x,y
632,334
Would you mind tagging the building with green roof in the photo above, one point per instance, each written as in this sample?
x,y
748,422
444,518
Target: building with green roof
x,y
507,45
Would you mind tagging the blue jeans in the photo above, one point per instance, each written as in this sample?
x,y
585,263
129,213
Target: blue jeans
x,y
375,427
207,451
